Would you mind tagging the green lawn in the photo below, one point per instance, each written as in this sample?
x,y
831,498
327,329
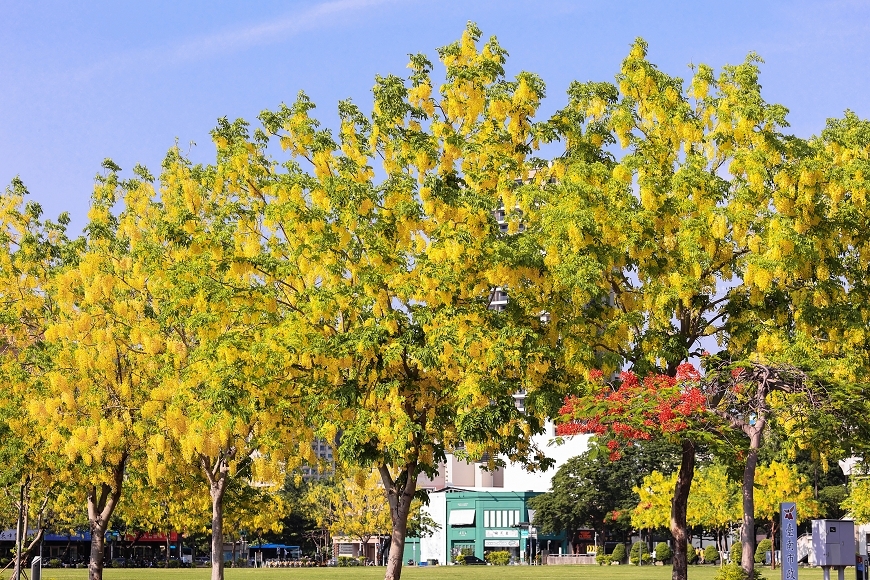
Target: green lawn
x,y
433,573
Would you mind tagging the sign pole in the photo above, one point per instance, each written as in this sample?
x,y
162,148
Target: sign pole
x,y
788,540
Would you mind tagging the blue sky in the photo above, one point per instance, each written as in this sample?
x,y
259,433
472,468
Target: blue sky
x,y
81,81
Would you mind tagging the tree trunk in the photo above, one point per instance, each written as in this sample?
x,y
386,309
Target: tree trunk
x,y
217,474
217,532
747,530
772,542
400,493
679,527
29,551
98,547
21,528
101,506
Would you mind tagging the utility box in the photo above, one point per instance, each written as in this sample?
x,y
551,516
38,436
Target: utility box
x,y
834,543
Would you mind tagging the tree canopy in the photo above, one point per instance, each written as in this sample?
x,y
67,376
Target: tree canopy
x,y
339,284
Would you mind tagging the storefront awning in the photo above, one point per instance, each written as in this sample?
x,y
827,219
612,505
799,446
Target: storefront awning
x,y
461,518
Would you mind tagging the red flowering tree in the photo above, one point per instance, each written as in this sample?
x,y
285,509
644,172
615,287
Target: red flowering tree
x,y
633,408
733,397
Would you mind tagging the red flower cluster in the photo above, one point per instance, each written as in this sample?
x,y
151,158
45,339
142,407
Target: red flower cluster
x,y
688,372
577,427
629,379
636,409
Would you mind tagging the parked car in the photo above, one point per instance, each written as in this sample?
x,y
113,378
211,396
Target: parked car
x,y
473,561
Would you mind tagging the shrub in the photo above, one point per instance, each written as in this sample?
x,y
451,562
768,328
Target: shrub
x,y
639,550
733,571
711,554
763,547
459,558
173,564
361,560
736,552
618,554
603,559
500,558
54,563
691,554
663,552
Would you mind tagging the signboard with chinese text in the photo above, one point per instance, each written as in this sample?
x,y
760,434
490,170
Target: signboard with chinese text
x,y
501,543
788,540
502,533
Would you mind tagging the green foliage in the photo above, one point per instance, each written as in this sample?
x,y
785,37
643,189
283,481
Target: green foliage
x,y
711,554
603,559
733,571
691,555
832,497
618,554
858,500
640,553
763,547
736,552
500,558
664,552
590,490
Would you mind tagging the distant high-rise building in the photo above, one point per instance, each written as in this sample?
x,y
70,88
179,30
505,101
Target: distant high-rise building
x,y
326,467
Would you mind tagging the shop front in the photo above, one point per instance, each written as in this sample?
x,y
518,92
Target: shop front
x,y
480,522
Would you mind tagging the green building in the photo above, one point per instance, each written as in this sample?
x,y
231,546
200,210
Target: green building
x,y
477,521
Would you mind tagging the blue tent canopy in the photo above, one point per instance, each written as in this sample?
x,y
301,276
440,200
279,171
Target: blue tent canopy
x,y
78,537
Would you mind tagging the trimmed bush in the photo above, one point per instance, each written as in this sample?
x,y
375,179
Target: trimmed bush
x,y
733,571
459,558
603,559
763,547
663,552
500,558
735,554
639,550
711,554
618,554
691,554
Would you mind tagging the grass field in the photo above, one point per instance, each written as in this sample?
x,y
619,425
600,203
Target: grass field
x,y
433,573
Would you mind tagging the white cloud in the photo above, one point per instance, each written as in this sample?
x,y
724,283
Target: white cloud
x,y
272,31
234,40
